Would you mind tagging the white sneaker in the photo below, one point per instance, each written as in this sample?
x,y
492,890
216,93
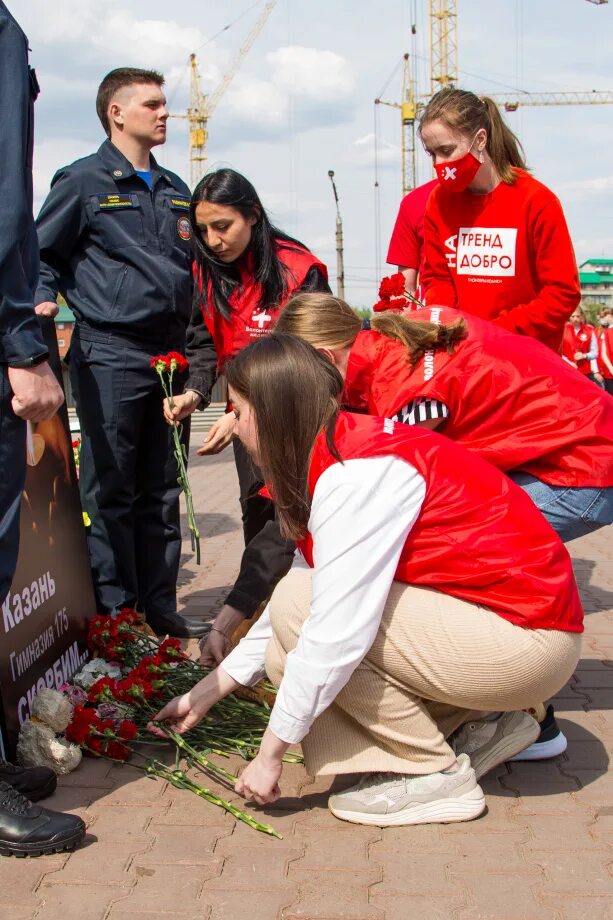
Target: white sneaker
x,y
489,744
386,799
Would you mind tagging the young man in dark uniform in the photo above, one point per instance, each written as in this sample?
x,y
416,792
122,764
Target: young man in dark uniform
x,y
28,390
115,241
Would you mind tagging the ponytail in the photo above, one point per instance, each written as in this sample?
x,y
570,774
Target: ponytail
x,y
419,336
463,111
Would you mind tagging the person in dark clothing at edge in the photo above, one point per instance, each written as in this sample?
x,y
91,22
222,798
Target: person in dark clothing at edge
x,y
28,390
115,241
245,269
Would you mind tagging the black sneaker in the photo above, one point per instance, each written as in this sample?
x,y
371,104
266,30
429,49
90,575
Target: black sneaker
x,y
33,782
551,741
31,830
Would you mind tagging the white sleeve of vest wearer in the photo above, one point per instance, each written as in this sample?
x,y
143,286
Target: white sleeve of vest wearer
x,y
245,663
361,515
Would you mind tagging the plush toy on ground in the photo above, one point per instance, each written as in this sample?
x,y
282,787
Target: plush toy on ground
x,y
38,744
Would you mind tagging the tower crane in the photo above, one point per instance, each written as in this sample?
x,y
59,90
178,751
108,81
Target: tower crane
x,y
201,107
443,72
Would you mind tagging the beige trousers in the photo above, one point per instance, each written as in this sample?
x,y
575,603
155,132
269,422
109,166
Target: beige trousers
x,y
435,660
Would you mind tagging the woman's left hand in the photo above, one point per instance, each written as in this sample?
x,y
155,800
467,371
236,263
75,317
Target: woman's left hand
x,y
260,780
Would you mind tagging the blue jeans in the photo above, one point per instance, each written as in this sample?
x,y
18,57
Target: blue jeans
x,y
572,512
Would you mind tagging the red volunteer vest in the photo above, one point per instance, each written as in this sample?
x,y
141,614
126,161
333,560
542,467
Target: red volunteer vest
x,y
605,333
248,321
478,535
510,399
578,340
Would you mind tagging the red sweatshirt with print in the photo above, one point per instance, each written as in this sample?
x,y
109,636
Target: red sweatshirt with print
x,y
506,256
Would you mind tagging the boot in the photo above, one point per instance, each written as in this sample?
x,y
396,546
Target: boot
x,y
31,830
33,782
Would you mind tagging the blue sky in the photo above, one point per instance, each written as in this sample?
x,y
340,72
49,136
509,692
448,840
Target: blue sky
x,y
302,102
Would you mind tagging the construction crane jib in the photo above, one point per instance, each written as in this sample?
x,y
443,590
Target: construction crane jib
x,y
201,106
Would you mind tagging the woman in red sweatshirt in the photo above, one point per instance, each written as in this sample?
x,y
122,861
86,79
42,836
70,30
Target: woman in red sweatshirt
x,y
432,588
496,241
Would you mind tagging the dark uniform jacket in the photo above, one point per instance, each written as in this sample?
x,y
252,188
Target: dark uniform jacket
x,y
20,333
118,251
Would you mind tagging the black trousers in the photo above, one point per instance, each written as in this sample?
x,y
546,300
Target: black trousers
x,y
12,478
268,556
128,476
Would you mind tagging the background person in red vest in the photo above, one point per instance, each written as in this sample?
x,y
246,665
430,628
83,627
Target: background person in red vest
x,y
580,346
406,249
436,589
605,348
496,241
246,269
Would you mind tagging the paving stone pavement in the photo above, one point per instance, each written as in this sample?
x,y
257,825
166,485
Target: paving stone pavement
x,y
543,851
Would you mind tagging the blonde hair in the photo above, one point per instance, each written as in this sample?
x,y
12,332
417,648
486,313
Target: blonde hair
x,y
463,111
329,322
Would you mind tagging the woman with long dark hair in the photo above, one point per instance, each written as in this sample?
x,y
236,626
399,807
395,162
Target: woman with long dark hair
x,y
245,271
433,592
496,240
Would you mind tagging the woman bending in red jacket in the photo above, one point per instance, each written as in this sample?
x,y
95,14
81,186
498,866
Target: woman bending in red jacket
x,y
496,241
511,400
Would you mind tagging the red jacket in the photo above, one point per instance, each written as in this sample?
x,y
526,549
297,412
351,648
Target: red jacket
x,y
510,399
478,536
506,256
249,321
578,340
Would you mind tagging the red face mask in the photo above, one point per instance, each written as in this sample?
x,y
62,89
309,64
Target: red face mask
x,y
456,175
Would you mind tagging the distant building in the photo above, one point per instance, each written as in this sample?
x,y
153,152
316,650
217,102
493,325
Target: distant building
x,y
64,326
596,281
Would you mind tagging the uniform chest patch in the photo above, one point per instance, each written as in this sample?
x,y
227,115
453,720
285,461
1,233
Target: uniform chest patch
x,y
108,202
184,228
181,203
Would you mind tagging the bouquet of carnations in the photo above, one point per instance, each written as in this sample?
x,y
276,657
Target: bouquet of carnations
x,y
139,676
394,296
166,366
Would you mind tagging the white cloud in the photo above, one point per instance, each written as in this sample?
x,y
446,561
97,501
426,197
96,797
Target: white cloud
x,y
363,153
576,189
322,76
49,155
305,89
157,43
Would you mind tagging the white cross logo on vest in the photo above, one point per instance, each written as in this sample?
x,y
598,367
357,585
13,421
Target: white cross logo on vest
x,y
450,172
261,319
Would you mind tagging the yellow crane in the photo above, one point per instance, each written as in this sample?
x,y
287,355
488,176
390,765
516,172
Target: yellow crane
x,y
444,70
201,106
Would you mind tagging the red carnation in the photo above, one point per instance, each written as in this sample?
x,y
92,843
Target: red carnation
x,y
392,286
103,691
177,361
116,750
159,363
127,730
83,722
170,650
